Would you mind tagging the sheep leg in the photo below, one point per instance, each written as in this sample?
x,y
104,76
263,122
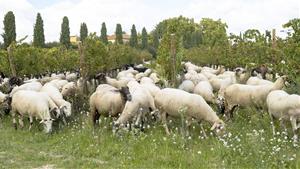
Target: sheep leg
x,y
282,124
272,123
21,121
138,119
164,121
14,119
188,125
294,127
202,129
95,117
31,122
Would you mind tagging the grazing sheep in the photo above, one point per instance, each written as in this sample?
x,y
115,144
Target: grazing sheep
x,y
205,90
68,89
108,101
220,70
53,92
187,86
219,84
284,107
122,82
55,76
258,81
154,77
145,80
33,104
152,88
248,95
208,75
127,73
59,83
171,101
189,66
71,77
139,76
195,77
34,86
142,101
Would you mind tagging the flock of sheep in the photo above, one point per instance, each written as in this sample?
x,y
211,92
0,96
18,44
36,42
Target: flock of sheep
x,y
134,97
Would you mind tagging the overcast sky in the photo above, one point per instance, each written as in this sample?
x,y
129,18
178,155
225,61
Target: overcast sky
x,y
238,14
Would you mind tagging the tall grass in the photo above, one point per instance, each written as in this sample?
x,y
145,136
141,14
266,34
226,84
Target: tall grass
x,y
249,143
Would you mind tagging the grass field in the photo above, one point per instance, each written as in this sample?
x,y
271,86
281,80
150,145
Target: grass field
x,y
249,143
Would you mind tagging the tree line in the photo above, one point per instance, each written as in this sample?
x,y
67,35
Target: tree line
x,y
9,34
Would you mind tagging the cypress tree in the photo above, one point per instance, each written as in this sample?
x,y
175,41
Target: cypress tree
x,y
119,34
155,40
83,32
144,39
103,35
65,33
38,32
133,41
9,34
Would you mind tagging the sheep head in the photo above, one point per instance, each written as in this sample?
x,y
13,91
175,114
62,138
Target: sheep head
x,y
218,127
125,93
47,124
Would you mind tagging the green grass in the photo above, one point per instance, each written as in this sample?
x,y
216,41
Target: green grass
x,y
249,143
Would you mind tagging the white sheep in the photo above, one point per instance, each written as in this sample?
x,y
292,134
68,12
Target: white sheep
x,y
142,101
248,95
154,77
52,90
68,89
220,70
258,81
122,82
172,101
187,86
33,104
139,76
108,101
189,66
34,86
195,77
146,80
152,88
59,83
127,73
71,77
284,107
205,90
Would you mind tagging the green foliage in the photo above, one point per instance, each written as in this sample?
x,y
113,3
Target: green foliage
x,y
123,54
9,34
103,35
38,32
133,41
144,39
95,55
119,34
164,55
65,33
295,25
214,32
155,39
83,32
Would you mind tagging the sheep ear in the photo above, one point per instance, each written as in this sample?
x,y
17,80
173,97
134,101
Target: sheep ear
x,y
53,112
214,126
42,121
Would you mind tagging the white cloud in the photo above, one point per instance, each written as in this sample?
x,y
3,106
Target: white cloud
x,y
238,14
